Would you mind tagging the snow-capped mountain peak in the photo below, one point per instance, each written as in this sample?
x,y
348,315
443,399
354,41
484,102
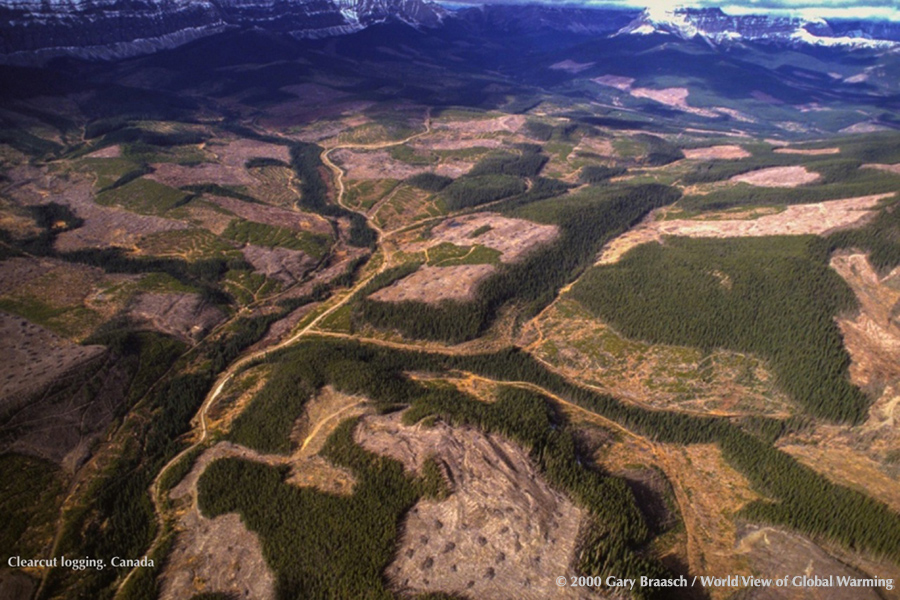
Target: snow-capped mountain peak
x,y
665,21
716,27
671,21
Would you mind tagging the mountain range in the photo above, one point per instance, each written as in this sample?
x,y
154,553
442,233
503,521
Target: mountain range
x,y
107,29
716,27
35,30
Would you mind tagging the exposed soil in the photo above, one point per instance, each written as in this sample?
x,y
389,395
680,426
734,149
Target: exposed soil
x,y
484,390
797,219
235,154
674,97
864,127
373,164
735,114
275,185
447,139
622,453
108,226
185,316
403,206
732,214
709,493
274,216
75,294
872,337
889,168
214,555
792,126
594,145
10,156
17,225
784,177
378,164
108,152
220,554
435,284
321,416
730,152
508,123
175,175
514,238
322,131
584,348
502,533
570,66
775,553
859,457
103,226
285,265
27,276
340,259
64,394
615,81
236,396
847,466
33,358
62,422
866,564
208,217
735,134
812,152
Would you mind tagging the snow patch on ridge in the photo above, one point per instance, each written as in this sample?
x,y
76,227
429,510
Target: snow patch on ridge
x,y
803,35
716,27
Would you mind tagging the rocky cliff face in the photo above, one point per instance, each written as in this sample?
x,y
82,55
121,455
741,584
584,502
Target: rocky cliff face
x,y
717,24
305,17
27,25
34,29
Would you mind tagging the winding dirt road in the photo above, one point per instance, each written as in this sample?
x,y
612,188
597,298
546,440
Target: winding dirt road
x,y
200,420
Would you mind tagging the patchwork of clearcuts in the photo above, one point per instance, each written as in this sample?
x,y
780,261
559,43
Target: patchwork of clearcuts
x,y
435,284
513,238
34,357
273,216
186,316
285,265
797,219
502,533
728,152
784,177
